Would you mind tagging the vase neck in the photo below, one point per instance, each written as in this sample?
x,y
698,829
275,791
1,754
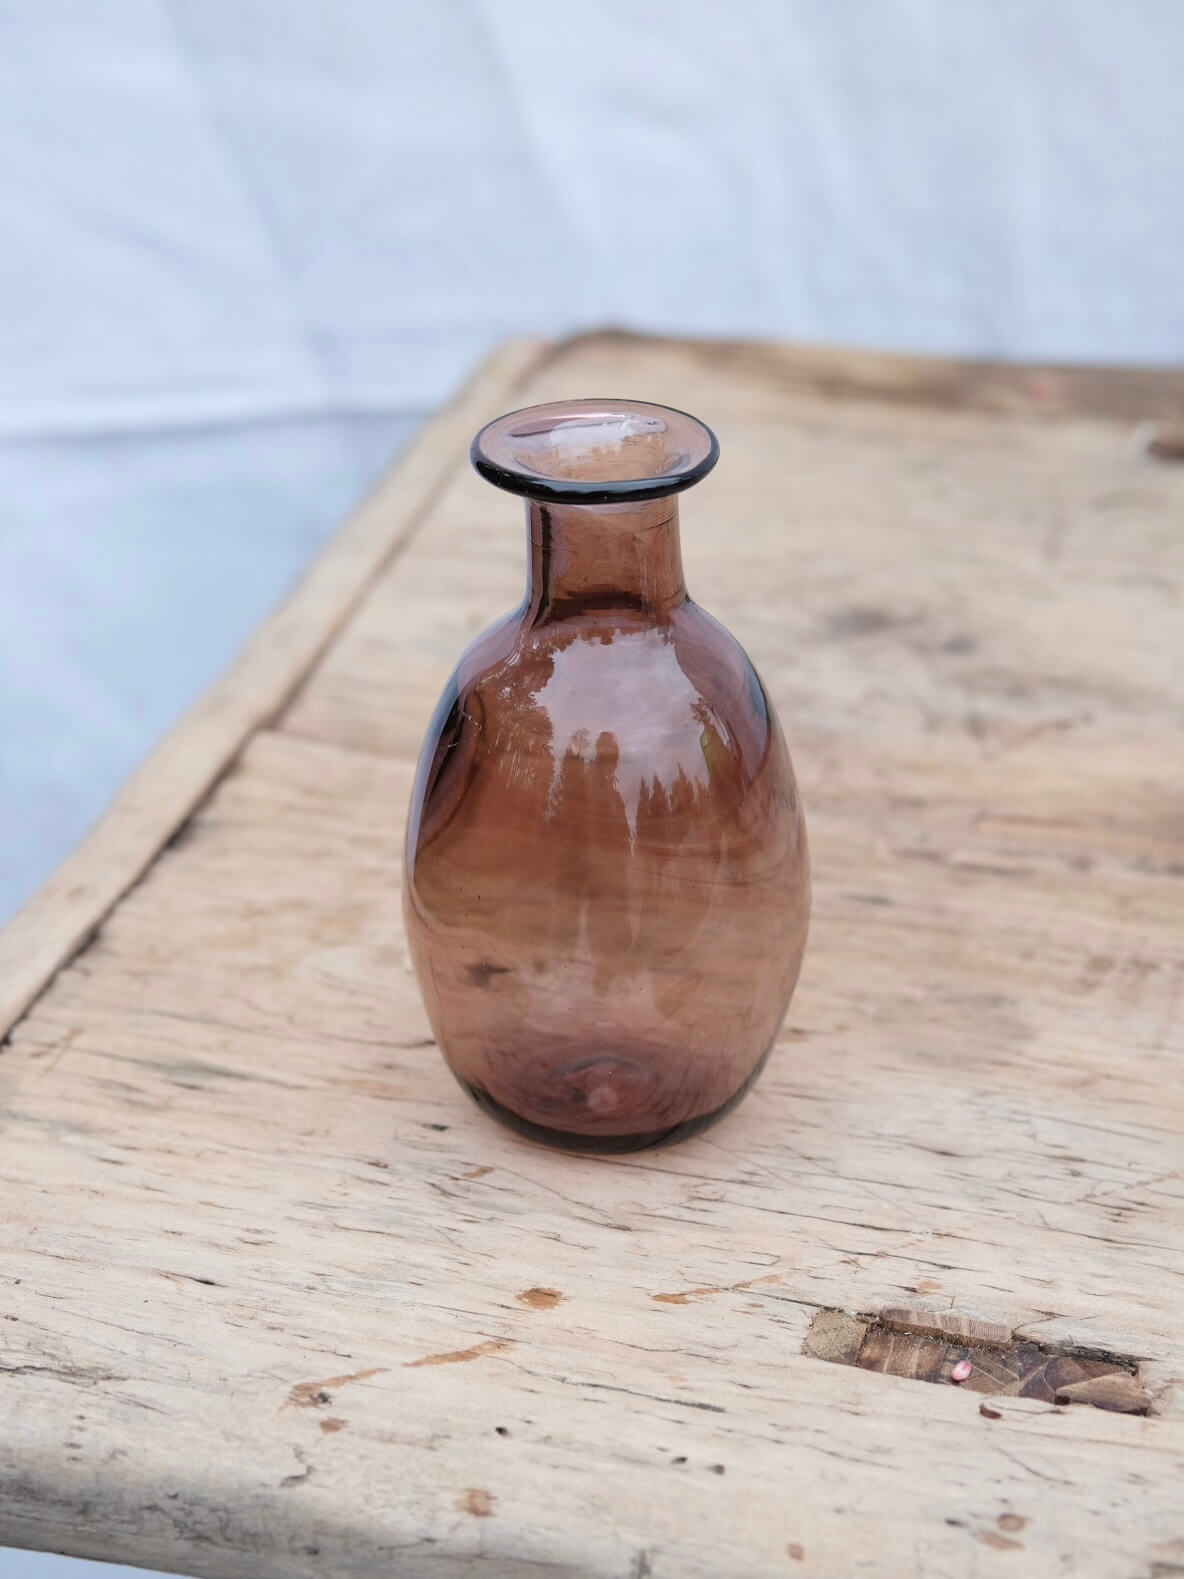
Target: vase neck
x,y
585,557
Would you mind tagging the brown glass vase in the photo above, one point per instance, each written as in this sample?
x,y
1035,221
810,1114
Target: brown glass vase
x,y
606,883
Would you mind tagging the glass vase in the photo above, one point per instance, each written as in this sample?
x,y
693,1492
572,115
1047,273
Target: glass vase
x,y
606,881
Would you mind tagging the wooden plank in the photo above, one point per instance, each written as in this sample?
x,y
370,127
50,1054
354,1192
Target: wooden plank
x,y
162,793
288,1305
1132,394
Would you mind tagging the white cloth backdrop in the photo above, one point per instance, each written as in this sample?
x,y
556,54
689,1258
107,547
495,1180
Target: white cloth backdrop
x,y
246,244
225,209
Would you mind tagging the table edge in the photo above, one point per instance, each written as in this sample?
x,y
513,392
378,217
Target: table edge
x,y
171,783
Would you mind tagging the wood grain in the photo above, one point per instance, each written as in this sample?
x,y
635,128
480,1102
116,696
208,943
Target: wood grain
x,y
278,1302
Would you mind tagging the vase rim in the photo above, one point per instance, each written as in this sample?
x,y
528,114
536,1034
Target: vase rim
x,y
595,451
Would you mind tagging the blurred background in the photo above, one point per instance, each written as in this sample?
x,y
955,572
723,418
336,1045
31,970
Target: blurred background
x,y
246,246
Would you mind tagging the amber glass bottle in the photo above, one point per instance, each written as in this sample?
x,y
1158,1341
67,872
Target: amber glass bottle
x,y
606,883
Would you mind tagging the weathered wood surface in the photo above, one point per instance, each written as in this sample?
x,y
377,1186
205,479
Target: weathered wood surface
x,y
277,1301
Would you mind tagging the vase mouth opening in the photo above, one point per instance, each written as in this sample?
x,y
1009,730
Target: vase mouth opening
x,y
595,451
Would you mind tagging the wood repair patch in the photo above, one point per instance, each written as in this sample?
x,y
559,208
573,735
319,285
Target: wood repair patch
x,y
981,1356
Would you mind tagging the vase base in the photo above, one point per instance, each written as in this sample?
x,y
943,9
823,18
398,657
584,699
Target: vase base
x,y
574,1140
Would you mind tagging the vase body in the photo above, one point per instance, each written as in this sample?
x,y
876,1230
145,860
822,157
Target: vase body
x,y
606,879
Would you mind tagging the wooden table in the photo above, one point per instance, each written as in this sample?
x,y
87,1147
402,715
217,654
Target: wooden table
x,y
278,1301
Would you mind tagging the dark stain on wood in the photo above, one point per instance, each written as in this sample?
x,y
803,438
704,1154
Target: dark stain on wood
x,y
459,1356
332,1424
685,1297
540,1298
1001,1543
309,1394
477,1502
195,1074
1164,441
960,645
927,1345
858,620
